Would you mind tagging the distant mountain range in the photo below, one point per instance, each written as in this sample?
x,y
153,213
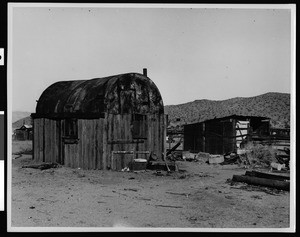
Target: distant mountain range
x,y
275,106
17,115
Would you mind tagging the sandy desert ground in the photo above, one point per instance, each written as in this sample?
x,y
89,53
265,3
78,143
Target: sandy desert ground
x,y
199,195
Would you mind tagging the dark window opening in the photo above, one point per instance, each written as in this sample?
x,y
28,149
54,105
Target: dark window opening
x,y
71,129
139,123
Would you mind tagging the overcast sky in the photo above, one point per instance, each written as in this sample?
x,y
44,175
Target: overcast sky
x,y
190,53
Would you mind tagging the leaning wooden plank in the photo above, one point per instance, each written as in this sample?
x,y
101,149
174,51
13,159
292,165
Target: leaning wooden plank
x,y
282,185
267,175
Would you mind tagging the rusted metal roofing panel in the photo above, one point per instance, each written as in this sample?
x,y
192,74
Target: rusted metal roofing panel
x,y
124,93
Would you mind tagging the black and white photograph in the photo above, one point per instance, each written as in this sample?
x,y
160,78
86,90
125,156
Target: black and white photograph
x,y
151,117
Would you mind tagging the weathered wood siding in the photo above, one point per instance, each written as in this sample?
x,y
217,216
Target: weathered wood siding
x,y
118,130
46,138
97,138
38,127
88,152
50,140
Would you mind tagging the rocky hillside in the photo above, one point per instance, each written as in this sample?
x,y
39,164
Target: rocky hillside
x,y
273,105
17,115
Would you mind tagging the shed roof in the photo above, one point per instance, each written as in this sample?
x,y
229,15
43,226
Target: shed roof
x,y
27,126
234,116
24,127
124,93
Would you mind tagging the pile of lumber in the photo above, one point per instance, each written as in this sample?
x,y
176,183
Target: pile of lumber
x,y
283,156
272,180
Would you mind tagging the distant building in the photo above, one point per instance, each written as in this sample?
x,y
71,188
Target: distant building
x,y
23,133
226,134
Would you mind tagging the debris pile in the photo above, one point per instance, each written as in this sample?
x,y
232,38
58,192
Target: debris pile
x,y
283,156
216,159
258,155
264,156
231,158
201,157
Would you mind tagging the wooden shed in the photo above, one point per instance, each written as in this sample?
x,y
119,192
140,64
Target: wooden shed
x,y
23,133
101,123
222,135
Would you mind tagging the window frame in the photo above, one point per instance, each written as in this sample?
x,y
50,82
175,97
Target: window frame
x,y
70,130
139,126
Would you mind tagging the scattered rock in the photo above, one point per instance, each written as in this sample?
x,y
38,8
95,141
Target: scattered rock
x,y
182,176
131,189
256,196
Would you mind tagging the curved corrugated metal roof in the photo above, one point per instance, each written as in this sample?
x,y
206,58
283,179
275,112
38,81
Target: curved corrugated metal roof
x,y
124,93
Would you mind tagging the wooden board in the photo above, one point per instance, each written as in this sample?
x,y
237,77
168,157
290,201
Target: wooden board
x,y
282,185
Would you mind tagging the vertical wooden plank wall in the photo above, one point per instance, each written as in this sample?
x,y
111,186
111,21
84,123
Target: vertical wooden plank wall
x,y
99,144
50,140
88,152
105,146
115,131
108,138
45,140
156,141
47,144
39,139
36,127
119,128
93,150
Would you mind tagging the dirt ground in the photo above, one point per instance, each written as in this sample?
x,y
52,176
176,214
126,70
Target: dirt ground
x,y
199,195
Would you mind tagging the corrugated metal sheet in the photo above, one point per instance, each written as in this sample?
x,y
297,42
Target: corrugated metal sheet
x,y
120,94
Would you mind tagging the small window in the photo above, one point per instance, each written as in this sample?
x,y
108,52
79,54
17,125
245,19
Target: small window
x,y
139,122
71,128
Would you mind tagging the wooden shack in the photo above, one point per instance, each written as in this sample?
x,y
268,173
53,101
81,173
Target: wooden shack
x,y
101,123
223,135
23,133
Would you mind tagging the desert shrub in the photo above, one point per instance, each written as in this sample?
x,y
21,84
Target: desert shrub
x,y
24,151
22,147
261,155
